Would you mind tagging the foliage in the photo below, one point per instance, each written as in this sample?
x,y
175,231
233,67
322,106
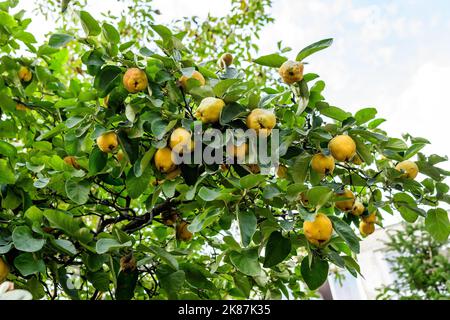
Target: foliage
x,y
96,227
420,263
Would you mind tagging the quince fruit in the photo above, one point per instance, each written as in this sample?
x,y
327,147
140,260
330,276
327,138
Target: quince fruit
x,y
319,231
195,75
322,164
181,141
209,110
25,74
347,204
291,71
262,121
342,147
164,160
409,169
135,80
108,142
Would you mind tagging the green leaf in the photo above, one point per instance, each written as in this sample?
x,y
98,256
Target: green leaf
x,y
277,249
406,205
163,31
208,194
90,25
106,79
27,264
396,144
126,284
65,246
222,86
437,224
231,112
100,280
246,261
7,149
346,233
319,195
251,180
78,191
24,241
105,245
365,115
300,168
58,40
97,160
316,274
7,176
170,281
110,33
335,113
272,60
247,226
204,219
313,48
138,185
165,256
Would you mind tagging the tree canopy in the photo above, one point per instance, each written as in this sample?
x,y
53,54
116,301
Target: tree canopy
x,y
89,212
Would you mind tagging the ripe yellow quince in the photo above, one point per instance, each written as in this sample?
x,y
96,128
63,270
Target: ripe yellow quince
x,y
209,110
25,74
358,209
347,204
371,218
135,80
108,142
195,75
181,141
4,270
366,228
322,164
164,160
72,161
262,121
182,232
319,231
409,169
291,71
342,147
225,60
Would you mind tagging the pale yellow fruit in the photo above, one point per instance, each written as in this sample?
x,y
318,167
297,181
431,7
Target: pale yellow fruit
x,y
135,80
319,231
25,74
371,218
347,204
164,160
366,228
358,209
291,71
262,121
238,151
120,155
209,110
195,75
409,169
181,141
72,161
4,270
108,142
322,164
342,147
182,232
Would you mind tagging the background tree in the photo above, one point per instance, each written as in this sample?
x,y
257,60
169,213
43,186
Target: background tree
x,y
420,263
92,207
